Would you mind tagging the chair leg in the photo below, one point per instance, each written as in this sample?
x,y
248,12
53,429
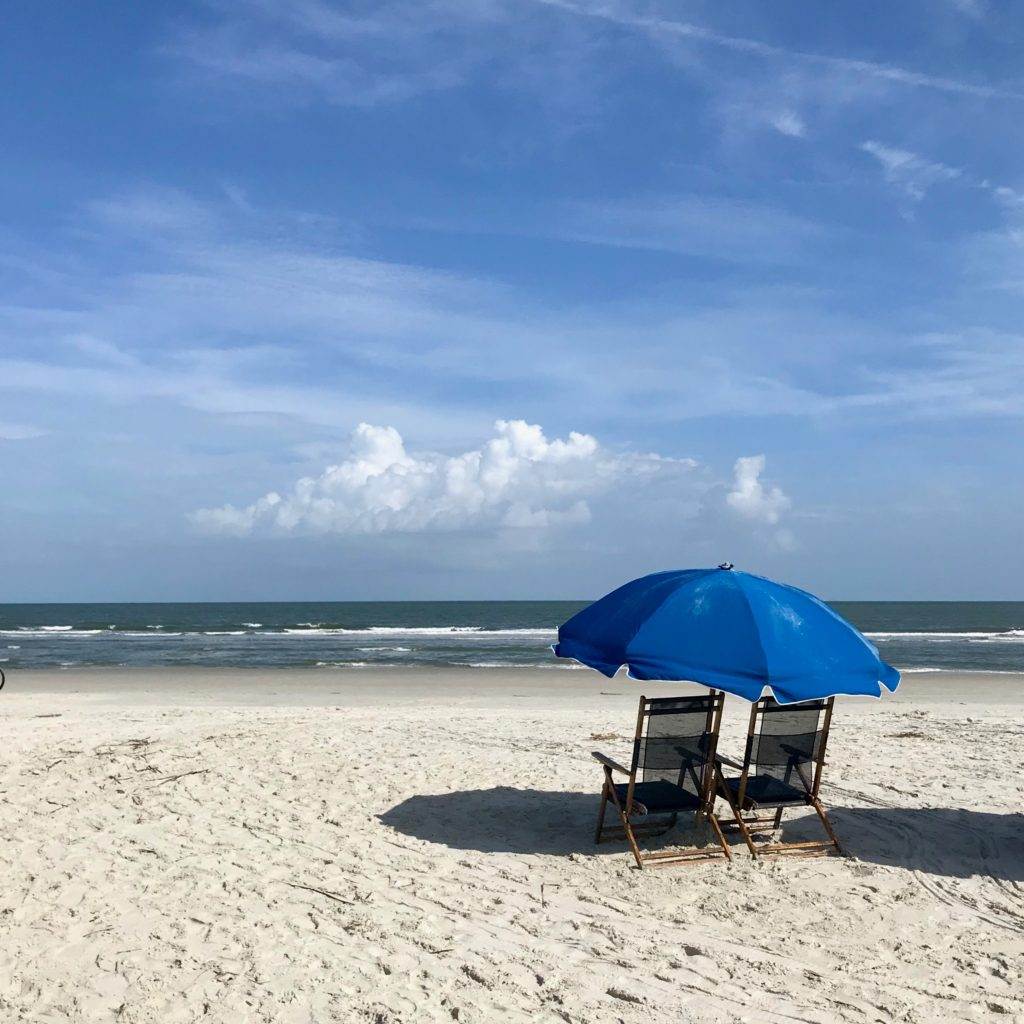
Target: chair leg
x,y
809,847
740,823
711,816
627,828
600,813
816,804
778,818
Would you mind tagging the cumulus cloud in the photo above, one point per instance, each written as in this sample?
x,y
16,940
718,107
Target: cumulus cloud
x,y
749,497
518,479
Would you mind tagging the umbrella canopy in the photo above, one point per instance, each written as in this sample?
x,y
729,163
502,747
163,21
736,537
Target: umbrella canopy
x,y
729,630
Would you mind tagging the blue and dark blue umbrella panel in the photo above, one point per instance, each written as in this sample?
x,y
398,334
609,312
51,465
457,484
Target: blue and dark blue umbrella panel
x,y
728,630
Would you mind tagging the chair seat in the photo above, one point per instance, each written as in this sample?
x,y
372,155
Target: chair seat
x,y
767,791
658,797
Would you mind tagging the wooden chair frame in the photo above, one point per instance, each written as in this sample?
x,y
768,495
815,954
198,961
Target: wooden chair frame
x,y
632,831
740,801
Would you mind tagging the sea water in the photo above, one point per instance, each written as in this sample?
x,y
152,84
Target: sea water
x,y
915,636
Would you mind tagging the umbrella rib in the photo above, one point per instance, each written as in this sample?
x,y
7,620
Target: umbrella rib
x,y
757,633
640,625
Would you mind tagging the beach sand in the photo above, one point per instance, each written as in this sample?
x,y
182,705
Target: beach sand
x,y
369,845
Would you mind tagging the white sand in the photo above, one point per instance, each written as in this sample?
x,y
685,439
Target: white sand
x,y
451,816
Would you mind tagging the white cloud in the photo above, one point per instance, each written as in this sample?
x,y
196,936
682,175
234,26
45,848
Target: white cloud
x,y
254,318
338,79
308,50
214,325
909,172
516,480
787,122
19,432
716,226
971,8
99,350
749,497
915,175
666,30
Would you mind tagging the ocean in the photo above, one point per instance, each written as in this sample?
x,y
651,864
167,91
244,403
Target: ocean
x,y
914,636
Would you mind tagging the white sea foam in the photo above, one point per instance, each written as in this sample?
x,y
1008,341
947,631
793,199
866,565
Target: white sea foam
x,y
1006,636
252,625
399,631
50,631
343,664
469,632
963,671
505,664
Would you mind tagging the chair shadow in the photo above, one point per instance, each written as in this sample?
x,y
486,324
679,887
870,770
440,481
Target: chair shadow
x,y
507,820
953,842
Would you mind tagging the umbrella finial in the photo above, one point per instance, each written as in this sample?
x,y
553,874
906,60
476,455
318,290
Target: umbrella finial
x,y
725,565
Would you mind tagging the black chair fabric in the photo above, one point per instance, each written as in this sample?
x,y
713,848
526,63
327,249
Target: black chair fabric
x,y
659,797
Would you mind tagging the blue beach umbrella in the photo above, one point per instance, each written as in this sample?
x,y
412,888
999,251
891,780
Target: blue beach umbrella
x,y
728,630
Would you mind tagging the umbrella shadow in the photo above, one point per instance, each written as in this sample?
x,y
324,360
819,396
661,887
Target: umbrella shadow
x,y
951,842
507,820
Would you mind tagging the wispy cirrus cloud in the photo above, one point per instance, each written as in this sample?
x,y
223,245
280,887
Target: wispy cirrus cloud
x,y
912,174
976,9
360,56
227,56
258,316
978,372
668,29
20,432
915,175
385,54
714,226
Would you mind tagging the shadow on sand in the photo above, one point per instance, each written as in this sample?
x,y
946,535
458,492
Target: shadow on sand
x,y
502,820
942,841
949,841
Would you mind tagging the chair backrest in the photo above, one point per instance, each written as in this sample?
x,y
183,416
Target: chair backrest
x,y
676,740
787,742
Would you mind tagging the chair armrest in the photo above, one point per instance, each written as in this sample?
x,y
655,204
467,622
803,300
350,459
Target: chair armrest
x,y
799,756
722,759
608,762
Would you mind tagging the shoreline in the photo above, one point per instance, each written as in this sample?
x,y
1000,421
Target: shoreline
x,y
368,685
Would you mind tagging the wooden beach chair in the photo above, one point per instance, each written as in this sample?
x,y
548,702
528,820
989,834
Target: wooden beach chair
x,y
672,772
781,768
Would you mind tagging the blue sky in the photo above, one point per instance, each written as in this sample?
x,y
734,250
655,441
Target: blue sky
x,y
510,299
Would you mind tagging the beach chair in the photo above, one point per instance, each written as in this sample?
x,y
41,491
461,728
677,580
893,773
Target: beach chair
x,y
781,768
672,772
